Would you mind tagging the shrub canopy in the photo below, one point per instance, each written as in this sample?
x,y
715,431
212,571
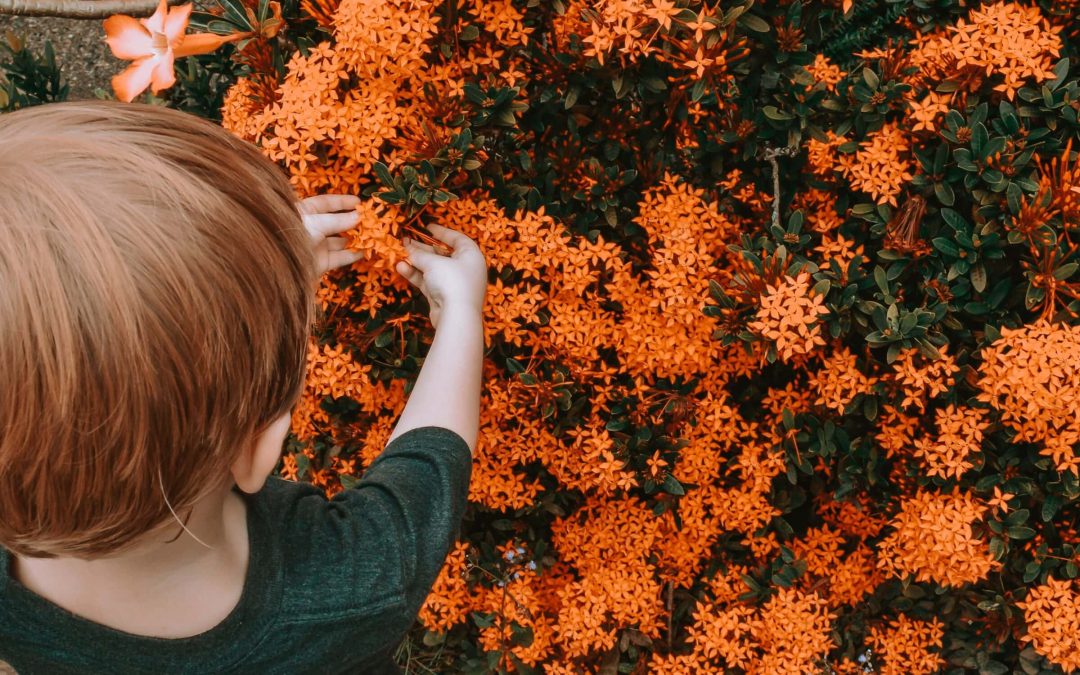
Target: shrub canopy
x,y
783,367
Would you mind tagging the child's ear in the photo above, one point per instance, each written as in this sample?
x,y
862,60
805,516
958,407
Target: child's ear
x,y
255,462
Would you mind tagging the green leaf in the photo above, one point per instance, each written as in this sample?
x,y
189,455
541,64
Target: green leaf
x,y
947,247
754,23
383,173
880,280
979,138
1031,572
1013,194
1050,507
997,548
871,78
954,219
978,277
673,486
773,113
1065,271
944,193
1061,71
1020,532
698,91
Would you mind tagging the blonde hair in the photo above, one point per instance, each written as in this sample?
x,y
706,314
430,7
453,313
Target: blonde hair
x,y
155,302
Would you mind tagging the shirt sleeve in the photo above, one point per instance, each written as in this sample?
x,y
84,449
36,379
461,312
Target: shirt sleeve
x,y
420,485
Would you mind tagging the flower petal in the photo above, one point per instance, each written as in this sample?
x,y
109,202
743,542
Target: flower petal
x,y
176,22
156,23
163,75
127,38
135,79
204,43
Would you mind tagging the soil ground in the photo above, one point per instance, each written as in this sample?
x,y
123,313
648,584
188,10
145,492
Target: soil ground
x,y
80,48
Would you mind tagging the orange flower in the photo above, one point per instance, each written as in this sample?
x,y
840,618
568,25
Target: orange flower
x,y
1052,612
960,433
789,316
656,464
152,44
825,72
1031,375
921,379
1000,500
839,381
882,166
903,648
933,540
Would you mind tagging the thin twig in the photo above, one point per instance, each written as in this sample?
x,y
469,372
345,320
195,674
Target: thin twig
x,y
770,156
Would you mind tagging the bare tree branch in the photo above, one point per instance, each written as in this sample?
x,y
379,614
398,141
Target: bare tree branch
x,y
80,9
770,156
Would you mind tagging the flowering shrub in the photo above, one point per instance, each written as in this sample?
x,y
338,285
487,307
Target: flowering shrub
x,y
783,366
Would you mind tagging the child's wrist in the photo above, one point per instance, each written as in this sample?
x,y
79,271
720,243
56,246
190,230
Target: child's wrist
x,y
461,311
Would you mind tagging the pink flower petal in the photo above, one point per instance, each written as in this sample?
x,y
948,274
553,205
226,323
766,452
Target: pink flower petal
x,y
135,79
127,38
164,76
176,22
156,23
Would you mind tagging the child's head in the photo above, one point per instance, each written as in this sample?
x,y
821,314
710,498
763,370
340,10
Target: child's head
x,y
155,283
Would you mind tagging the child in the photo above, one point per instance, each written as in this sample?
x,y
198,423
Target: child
x,y
156,284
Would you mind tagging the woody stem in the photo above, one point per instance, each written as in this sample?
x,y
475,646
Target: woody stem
x,y
770,156
80,9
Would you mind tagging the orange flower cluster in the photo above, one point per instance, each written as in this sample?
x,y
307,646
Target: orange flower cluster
x,y
1052,613
1031,376
932,539
789,317
903,647
881,166
921,379
790,633
843,576
823,156
825,72
839,381
613,412
1006,40
819,206
960,433
450,597
897,431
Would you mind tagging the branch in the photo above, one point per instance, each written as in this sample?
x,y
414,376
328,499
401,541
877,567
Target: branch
x,y
80,9
770,156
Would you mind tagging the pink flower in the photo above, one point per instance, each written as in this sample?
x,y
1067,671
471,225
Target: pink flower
x,y
152,44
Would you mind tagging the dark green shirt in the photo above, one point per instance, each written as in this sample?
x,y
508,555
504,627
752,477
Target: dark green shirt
x,y
332,585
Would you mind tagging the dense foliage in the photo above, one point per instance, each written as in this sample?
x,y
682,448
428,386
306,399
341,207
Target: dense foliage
x,y
26,78
783,368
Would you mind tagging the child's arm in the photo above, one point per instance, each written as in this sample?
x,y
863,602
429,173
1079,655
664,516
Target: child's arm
x,y
447,391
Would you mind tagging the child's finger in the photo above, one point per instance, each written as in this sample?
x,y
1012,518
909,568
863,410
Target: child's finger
x,y
419,245
335,259
422,256
411,274
336,243
452,238
328,224
328,203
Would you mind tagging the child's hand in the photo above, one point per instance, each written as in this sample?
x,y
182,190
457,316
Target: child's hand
x,y
452,282
325,216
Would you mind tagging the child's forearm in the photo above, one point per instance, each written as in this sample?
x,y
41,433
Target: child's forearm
x,y
447,391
